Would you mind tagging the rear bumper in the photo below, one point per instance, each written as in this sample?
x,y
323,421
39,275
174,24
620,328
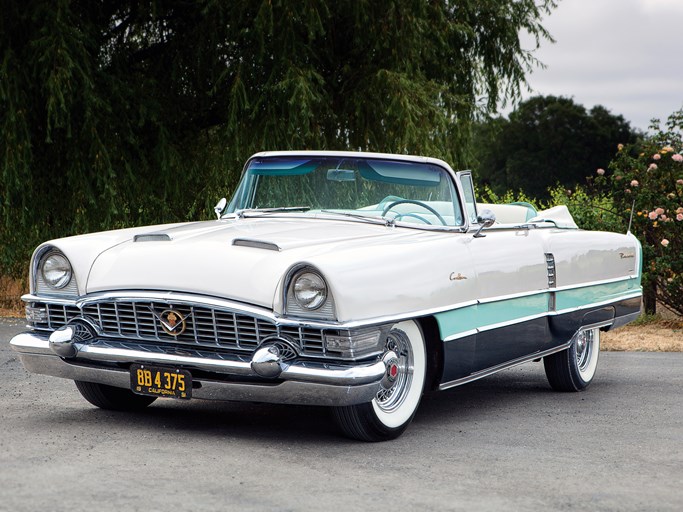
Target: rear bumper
x,y
310,383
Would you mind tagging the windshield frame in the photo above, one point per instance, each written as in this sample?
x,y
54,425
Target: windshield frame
x,y
246,191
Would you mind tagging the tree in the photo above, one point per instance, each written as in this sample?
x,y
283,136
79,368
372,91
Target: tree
x,y
548,140
122,112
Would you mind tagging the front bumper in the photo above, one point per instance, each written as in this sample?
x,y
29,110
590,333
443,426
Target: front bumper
x,y
218,378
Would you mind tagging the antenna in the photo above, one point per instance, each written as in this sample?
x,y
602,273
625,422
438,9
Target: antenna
x,y
630,221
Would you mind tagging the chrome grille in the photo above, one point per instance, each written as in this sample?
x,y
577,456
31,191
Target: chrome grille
x,y
205,326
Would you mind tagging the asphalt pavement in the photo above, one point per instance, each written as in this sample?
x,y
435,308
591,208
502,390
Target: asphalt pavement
x,y
503,443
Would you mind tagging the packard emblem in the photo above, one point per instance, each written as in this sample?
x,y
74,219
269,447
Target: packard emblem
x,y
172,322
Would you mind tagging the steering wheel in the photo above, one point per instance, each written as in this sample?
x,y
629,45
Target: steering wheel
x,y
399,216
418,203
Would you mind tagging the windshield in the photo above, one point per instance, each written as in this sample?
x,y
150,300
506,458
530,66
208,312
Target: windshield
x,y
396,191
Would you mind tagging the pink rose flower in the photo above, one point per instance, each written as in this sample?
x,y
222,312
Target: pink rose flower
x,y
665,242
680,182
656,156
620,147
677,158
679,217
634,183
652,215
659,211
601,171
652,167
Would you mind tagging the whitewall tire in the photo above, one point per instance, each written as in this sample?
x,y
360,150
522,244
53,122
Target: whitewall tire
x,y
392,410
574,369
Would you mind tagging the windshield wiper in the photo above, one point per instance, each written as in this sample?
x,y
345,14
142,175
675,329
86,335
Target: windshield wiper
x,y
242,213
371,219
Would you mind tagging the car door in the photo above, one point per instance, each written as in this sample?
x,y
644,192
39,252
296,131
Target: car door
x,y
512,291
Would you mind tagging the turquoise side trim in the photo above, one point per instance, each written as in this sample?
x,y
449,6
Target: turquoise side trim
x,y
478,316
580,297
474,317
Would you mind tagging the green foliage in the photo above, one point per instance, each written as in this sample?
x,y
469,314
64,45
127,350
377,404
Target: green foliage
x,y
122,113
547,141
591,209
650,175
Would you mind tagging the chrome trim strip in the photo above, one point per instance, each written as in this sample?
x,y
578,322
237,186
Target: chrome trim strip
x,y
498,298
595,283
268,315
459,335
494,369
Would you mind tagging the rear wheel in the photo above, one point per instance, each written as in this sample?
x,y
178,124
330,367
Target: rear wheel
x,y
109,397
392,410
573,369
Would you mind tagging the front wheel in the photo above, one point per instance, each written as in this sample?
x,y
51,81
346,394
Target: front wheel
x,y
112,398
392,410
573,369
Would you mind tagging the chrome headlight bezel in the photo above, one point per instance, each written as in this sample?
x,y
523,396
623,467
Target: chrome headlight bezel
x,y
309,290
43,282
307,294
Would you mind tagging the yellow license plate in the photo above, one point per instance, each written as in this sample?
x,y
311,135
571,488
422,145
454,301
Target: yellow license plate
x,y
160,382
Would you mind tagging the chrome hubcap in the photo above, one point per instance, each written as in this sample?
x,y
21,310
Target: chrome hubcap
x,y
399,372
584,349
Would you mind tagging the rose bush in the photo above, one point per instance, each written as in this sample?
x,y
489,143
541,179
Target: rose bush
x,y
649,175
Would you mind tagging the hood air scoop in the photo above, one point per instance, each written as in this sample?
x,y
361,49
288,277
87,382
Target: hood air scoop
x,y
152,237
258,244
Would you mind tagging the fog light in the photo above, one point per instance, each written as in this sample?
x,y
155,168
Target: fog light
x,y
357,343
36,315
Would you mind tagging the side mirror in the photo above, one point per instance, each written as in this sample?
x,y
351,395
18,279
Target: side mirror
x,y
220,206
486,219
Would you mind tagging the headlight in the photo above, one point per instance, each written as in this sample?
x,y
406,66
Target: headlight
x,y
56,271
310,290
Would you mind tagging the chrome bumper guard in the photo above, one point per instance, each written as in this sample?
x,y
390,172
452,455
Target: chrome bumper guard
x,y
305,383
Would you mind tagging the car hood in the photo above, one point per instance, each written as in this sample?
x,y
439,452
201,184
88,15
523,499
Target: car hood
x,y
244,259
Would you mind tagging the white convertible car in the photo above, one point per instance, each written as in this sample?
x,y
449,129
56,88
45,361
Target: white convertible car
x,y
357,281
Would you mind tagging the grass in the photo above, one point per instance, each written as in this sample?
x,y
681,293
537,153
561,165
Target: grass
x,y
649,333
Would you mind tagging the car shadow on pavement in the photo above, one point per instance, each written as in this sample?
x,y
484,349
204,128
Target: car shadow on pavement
x,y
503,393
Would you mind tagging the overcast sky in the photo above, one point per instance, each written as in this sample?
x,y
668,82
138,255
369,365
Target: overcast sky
x,y
626,55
